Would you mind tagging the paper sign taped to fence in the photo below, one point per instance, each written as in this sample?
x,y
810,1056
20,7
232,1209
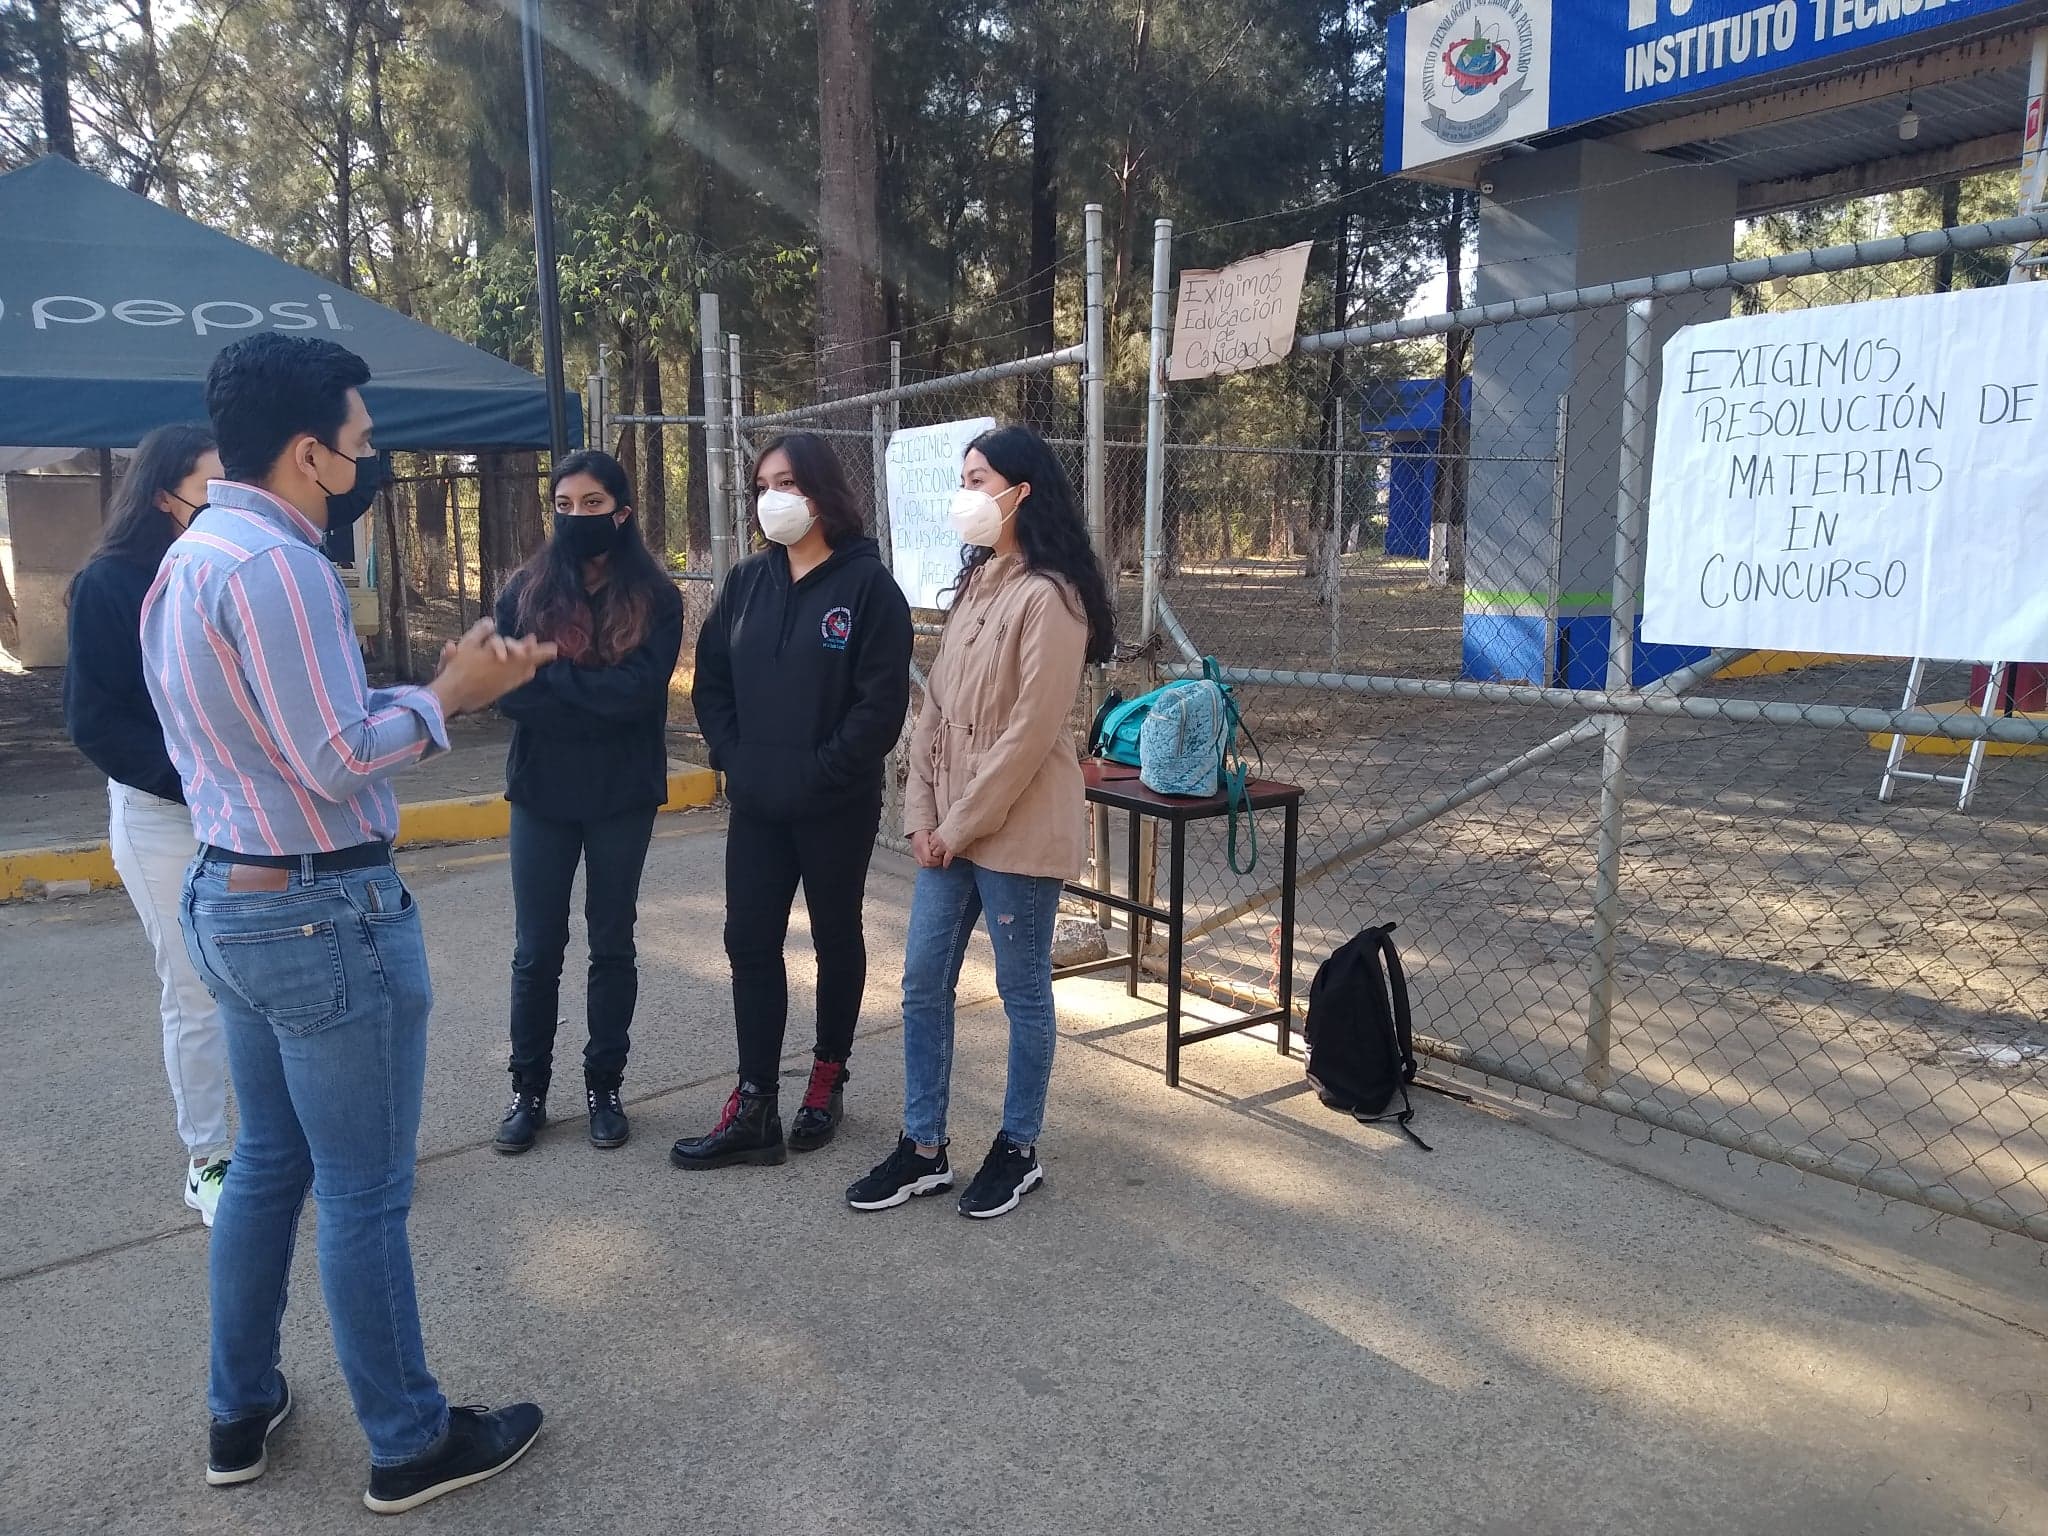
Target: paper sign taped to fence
x,y
1863,479
923,470
1238,317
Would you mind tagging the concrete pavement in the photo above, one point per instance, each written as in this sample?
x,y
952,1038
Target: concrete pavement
x,y
1229,1310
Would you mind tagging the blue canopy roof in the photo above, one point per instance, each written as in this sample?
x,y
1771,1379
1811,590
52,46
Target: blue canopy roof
x,y
112,308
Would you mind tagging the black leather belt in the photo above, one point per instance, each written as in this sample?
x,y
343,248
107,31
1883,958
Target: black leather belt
x,y
362,856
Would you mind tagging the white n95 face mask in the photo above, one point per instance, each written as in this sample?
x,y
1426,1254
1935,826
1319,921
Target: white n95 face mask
x,y
785,516
977,517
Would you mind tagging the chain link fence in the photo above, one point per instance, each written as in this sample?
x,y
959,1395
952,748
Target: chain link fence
x,y
1649,879
1658,881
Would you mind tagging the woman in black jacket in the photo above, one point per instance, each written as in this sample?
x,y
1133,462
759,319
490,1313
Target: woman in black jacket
x,y
587,772
108,713
803,680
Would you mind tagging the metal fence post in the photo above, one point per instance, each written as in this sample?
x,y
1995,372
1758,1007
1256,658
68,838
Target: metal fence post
x,y
895,382
713,467
739,491
1155,428
879,443
1333,559
1631,510
1093,390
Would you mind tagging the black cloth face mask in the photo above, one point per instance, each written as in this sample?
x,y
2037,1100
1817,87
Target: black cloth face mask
x,y
587,537
347,508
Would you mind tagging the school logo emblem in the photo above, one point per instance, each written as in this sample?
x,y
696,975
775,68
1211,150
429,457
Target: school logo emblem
x,y
837,628
1480,62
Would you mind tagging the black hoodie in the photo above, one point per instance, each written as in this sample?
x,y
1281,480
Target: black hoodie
x,y
801,690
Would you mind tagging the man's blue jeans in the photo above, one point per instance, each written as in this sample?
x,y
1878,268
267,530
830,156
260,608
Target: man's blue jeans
x,y
324,996
943,909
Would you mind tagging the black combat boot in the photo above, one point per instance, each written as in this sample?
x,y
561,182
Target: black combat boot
x,y
608,1125
750,1132
824,1105
524,1117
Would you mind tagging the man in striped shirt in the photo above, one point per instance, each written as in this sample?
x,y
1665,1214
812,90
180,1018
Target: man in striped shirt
x,y
301,925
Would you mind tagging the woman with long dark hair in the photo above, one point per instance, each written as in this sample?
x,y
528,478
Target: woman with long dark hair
x,y
587,771
994,808
803,679
108,712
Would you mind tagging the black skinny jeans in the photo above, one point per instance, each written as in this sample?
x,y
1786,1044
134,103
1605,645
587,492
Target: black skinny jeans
x,y
545,853
765,861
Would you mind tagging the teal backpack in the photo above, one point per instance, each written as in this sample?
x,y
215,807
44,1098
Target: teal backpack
x,y
1193,729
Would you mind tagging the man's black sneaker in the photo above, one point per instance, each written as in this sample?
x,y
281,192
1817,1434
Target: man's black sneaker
x,y
237,1451
824,1106
608,1124
1008,1174
479,1443
524,1117
899,1176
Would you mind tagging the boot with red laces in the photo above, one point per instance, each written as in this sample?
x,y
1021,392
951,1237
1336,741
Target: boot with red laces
x,y
749,1132
823,1107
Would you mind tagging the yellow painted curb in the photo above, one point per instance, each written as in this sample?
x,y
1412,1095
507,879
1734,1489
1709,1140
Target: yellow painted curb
x,y
1949,746
1769,663
37,872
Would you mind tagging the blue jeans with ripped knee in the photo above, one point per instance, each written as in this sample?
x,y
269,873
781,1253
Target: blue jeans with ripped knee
x,y
1020,910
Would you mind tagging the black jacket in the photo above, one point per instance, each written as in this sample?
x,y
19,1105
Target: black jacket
x,y
592,742
107,710
801,690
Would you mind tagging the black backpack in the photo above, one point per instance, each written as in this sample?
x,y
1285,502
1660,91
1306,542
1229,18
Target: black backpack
x,y
1361,1047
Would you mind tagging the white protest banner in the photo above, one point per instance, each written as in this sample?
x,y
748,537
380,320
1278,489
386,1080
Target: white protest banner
x,y
1238,317
923,470
1864,479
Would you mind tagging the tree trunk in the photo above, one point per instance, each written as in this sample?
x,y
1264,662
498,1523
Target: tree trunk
x,y
848,224
1045,233
1447,504
399,294
1951,215
704,21
509,514
344,148
51,45
159,165
430,516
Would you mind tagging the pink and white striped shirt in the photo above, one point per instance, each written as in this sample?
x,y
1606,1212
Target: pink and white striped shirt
x,y
251,659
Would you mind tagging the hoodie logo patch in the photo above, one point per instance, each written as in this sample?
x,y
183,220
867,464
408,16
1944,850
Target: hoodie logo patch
x,y
837,628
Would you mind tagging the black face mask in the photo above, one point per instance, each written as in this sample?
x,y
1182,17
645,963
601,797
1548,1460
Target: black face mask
x,y
587,537
348,507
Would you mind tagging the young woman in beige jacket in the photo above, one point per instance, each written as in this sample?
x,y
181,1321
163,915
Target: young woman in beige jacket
x,y
994,808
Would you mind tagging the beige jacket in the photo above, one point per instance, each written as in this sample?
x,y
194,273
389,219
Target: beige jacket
x,y
992,765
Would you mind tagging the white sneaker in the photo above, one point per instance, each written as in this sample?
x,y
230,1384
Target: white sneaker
x,y
202,1187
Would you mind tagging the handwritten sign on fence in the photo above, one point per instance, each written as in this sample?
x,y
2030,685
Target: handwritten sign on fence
x,y
923,469
1864,479
1238,317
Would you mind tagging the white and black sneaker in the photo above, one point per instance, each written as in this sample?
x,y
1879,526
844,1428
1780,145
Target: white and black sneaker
x,y
900,1176
1008,1174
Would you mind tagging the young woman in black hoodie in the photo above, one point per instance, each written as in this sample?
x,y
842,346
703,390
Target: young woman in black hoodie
x,y
803,681
587,772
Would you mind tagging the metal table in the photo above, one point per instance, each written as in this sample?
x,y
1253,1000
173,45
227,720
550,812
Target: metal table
x,y
1116,787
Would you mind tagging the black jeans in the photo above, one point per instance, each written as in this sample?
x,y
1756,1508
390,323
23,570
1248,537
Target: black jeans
x,y
545,853
764,863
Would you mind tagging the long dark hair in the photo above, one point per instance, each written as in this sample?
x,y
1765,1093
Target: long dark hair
x,y
138,530
1051,534
552,602
821,479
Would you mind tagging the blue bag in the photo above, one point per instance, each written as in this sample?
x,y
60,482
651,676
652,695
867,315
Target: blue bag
x,y
1187,748
1180,744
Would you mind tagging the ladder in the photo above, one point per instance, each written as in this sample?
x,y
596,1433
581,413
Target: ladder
x,y
1973,770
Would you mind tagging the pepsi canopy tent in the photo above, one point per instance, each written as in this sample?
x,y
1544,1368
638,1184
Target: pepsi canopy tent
x,y
112,308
